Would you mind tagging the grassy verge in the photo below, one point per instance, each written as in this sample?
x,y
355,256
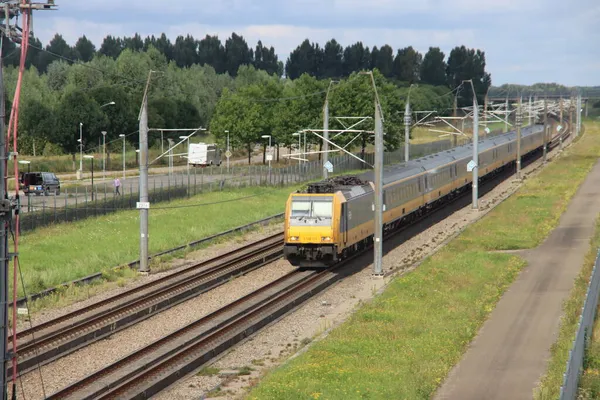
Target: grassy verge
x,y
65,252
589,385
403,344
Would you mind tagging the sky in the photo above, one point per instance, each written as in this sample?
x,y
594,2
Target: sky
x,y
525,41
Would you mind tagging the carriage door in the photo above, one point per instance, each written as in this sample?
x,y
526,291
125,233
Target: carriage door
x,y
344,223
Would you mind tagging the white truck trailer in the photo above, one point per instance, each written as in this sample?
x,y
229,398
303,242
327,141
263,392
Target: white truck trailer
x,y
203,154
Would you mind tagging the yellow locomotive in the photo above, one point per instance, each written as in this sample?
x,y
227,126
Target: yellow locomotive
x,y
334,218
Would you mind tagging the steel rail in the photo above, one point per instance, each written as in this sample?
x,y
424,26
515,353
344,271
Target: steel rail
x,y
68,333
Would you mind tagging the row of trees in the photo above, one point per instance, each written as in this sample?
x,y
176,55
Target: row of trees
x,y
185,52
248,103
280,108
329,62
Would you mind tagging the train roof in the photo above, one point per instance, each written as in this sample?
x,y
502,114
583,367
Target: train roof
x,y
426,163
352,186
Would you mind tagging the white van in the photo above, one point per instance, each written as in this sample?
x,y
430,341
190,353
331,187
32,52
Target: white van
x,y
203,154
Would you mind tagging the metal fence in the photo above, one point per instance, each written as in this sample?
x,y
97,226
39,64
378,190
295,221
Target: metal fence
x,y
82,202
568,390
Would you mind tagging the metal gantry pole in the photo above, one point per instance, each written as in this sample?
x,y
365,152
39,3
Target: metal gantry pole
x,y
123,157
326,136
407,121
519,122
6,217
561,110
378,234
143,204
507,115
475,198
579,111
81,149
545,129
455,114
530,110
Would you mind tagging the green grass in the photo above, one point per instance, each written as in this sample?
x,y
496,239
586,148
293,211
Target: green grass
x,y
403,343
589,385
65,252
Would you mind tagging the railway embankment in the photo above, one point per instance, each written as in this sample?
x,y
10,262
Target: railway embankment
x,y
404,343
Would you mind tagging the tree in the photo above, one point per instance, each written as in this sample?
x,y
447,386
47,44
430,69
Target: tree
x,y
58,73
246,114
305,59
301,110
407,65
34,54
37,125
465,64
57,47
266,59
84,49
237,53
333,58
356,58
185,51
111,47
134,43
383,60
76,107
211,52
433,68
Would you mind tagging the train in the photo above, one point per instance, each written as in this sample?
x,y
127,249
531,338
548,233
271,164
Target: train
x,y
330,220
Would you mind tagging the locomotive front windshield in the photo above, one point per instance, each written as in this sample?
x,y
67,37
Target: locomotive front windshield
x,y
311,210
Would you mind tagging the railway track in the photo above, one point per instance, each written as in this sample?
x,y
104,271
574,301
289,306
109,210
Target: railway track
x,y
153,368
51,340
158,365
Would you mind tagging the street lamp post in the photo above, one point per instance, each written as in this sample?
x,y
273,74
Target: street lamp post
x,y
91,158
103,154
123,136
228,154
80,150
269,155
112,103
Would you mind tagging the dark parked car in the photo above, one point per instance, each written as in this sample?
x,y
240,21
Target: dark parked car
x,y
40,183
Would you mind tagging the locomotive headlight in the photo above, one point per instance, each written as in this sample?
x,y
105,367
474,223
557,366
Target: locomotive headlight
x,y
294,238
325,239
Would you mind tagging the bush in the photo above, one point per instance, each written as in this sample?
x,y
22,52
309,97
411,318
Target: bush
x,y
51,149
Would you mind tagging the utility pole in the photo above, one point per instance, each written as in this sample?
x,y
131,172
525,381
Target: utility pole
x,y
6,217
561,110
485,108
572,122
518,122
475,178
326,134
579,114
377,266
143,204
507,115
530,110
545,130
455,114
170,156
407,122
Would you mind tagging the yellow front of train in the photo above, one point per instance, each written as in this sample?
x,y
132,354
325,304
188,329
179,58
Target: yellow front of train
x,y
310,234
